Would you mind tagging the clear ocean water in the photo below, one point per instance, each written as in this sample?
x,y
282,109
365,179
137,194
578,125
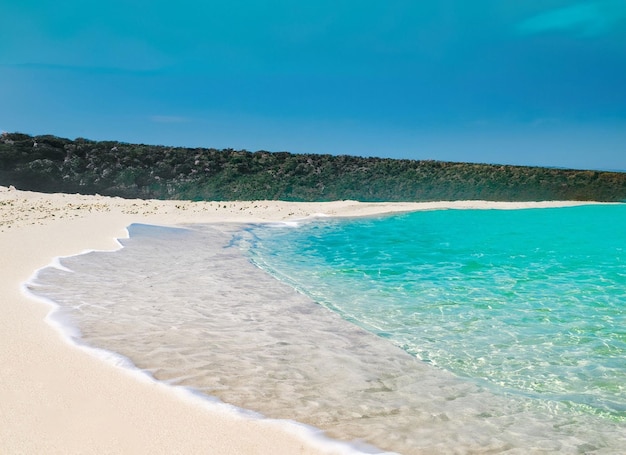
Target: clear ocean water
x,y
448,331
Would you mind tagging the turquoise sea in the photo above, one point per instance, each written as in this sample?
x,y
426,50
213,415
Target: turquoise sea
x,y
445,331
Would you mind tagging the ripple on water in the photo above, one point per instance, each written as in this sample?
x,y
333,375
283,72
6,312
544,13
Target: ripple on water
x,y
188,307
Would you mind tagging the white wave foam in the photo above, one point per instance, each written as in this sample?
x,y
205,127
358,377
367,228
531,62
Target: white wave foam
x,y
56,263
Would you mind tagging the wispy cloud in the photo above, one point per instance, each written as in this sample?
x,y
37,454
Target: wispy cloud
x,y
590,18
80,69
169,119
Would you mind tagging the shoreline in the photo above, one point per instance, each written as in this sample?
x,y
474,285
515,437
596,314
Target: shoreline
x,y
75,402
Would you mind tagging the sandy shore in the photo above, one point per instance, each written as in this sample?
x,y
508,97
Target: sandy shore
x,y
56,398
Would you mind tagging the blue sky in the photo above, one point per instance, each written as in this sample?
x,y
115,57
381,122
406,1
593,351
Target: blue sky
x,y
532,82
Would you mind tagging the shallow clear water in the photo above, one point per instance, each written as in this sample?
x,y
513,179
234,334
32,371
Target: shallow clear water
x,y
528,301
450,331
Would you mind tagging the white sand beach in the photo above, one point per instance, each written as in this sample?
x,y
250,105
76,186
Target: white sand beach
x,y
57,398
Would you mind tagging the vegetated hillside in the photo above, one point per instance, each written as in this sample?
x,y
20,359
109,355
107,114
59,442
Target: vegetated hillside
x,y
53,164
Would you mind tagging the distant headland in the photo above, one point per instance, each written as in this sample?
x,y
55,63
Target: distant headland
x,y
53,164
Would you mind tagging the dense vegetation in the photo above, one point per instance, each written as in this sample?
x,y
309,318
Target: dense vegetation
x,y
53,164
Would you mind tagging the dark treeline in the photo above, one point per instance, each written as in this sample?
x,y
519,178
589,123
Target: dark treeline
x,y
53,164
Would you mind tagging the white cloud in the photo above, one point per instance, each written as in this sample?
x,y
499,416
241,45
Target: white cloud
x,y
169,119
590,18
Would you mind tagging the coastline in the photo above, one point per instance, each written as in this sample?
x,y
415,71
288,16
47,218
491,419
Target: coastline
x,y
76,403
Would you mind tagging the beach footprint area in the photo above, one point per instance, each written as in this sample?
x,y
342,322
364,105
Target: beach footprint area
x,y
188,307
